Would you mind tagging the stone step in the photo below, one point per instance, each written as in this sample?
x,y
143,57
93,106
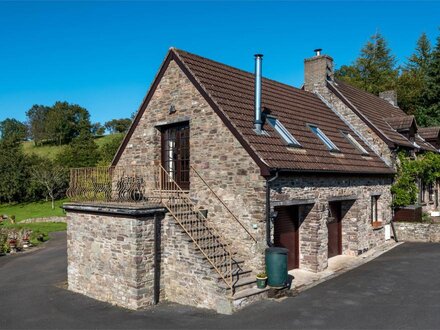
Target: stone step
x,y
240,283
237,273
187,212
215,245
248,292
235,264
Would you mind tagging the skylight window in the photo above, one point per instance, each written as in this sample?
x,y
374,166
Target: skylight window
x,y
356,144
283,132
320,134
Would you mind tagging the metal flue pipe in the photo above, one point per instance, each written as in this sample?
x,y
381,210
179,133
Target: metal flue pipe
x,y
258,68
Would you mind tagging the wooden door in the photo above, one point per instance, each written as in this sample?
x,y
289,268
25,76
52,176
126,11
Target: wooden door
x,y
175,153
334,229
286,233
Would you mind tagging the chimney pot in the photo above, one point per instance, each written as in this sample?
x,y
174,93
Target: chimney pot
x,y
318,51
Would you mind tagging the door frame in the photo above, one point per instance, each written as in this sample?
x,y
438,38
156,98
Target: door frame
x,y
184,185
296,224
338,220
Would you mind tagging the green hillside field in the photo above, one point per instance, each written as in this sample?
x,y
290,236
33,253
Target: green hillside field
x,y
51,151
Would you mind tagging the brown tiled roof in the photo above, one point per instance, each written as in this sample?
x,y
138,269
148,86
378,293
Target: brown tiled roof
x,y
373,110
424,144
232,91
429,132
401,122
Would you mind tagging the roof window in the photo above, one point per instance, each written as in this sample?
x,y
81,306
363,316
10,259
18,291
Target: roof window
x,y
320,134
283,132
356,144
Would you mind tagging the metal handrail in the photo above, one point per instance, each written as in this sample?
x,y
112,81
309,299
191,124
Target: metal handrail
x,y
166,185
221,201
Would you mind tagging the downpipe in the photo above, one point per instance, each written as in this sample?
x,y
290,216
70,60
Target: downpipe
x,y
268,218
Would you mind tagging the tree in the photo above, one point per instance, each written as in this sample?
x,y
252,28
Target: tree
x,y
374,70
414,79
97,129
118,125
66,121
37,119
108,150
82,152
59,124
13,130
431,108
52,177
15,185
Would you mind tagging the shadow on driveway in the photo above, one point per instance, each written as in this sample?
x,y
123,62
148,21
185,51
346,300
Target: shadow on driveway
x,y
400,289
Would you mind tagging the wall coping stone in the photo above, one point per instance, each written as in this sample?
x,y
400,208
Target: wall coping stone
x,y
122,209
297,201
342,198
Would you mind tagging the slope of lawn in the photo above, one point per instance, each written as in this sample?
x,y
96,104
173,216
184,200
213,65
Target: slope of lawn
x,y
32,210
100,141
51,151
45,151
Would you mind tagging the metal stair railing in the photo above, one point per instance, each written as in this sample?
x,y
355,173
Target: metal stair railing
x,y
206,238
228,210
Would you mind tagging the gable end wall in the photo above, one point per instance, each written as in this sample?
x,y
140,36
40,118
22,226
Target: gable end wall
x,y
215,153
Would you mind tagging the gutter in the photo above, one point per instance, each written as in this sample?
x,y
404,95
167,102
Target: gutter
x,y
268,217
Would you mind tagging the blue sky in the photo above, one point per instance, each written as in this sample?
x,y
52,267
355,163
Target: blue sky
x,y
104,55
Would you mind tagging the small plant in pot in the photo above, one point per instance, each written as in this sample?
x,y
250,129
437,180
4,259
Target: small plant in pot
x,y
261,280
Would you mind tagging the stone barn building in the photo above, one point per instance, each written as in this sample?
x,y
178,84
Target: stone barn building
x,y
218,164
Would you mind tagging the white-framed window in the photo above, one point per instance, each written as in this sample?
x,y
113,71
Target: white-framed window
x,y
354,143
324,138
282,132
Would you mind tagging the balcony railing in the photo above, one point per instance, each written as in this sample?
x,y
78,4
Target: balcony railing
x,y
120,184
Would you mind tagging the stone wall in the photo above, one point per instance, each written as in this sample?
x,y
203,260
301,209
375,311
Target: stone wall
x,y
215,153
47,219
417,232
358,234
111,258
187,277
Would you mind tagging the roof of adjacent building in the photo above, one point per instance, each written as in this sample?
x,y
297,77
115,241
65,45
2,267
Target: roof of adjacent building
x,y
429,132
230,92
401,123
373,110
380,115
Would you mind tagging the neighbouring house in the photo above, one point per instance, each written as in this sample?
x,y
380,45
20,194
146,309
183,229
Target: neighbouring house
x,y
431,135
218,164
386,127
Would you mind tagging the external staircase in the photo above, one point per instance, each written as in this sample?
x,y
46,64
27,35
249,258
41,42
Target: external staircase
x,y
232,276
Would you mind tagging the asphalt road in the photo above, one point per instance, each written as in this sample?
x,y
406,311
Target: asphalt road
x,y
398,290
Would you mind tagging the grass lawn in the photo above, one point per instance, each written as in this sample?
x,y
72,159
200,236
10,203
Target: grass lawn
x,y
24,211
46,151
51,151
100,141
